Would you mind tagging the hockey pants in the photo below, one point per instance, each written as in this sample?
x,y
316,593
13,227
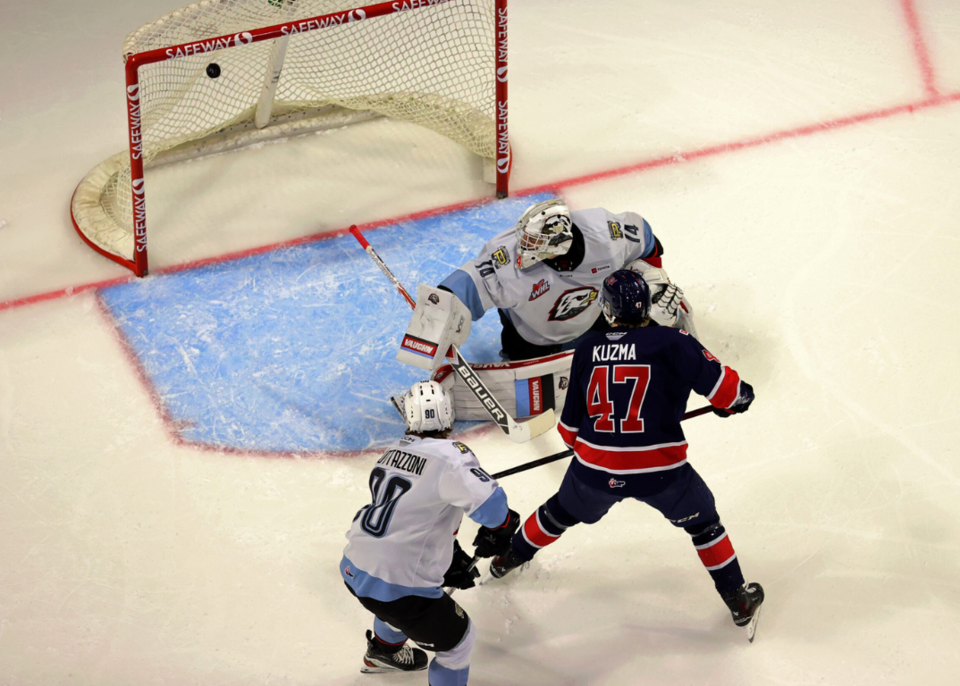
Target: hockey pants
x,y
685,501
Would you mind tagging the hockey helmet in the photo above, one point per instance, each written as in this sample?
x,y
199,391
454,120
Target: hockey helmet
x,y
545,230
625,297
427,407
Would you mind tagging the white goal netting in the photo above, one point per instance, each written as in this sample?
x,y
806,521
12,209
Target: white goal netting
x,y
433,63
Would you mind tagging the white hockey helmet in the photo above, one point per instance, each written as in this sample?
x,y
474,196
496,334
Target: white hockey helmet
x,y
427,407
545,230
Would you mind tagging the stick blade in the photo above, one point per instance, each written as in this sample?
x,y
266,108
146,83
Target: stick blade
x,y
521,432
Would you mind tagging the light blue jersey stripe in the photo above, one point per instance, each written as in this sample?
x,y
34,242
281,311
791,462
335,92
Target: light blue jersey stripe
x,y
494,510
368,586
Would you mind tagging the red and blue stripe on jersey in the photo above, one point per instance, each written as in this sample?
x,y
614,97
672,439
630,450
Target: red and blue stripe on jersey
x,y
628,392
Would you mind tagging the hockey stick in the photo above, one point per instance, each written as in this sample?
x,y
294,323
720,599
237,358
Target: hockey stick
x,y
515,431
567,453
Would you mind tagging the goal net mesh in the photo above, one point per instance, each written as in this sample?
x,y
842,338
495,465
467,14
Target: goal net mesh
x,y
432,65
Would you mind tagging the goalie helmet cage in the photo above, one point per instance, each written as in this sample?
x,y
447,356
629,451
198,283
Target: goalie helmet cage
x,y
221,74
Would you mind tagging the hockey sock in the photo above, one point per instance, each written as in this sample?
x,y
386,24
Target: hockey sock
x,y
386,638
717,554
542,528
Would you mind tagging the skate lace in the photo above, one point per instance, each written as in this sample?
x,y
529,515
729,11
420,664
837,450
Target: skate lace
x,y
404,655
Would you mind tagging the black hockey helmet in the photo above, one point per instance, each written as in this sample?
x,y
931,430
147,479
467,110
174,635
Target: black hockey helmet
x,y
625,297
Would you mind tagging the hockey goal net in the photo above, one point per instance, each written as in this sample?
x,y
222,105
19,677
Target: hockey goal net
x,y
222,74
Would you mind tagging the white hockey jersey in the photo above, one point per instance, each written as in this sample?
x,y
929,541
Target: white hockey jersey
x,y
402,543
546,306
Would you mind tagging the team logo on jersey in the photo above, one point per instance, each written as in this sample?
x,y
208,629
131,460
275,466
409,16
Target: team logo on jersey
x,y
615,335
597,269
539,288
434,298
458,609
615,230
613,483
572,303
347,571
500,257
563,383
461,447
709,355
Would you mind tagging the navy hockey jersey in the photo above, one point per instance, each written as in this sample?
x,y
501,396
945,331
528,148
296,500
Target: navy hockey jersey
x,y
628,392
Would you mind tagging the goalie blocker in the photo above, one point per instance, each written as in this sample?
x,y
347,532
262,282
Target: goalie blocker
x,y
439,321
524,389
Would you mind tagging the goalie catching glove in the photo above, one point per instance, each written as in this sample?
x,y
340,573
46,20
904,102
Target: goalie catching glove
x,y
665,305
492,542
460,574
668,306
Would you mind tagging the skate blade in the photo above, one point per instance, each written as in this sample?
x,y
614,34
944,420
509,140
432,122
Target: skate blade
x,y
752,626
373,669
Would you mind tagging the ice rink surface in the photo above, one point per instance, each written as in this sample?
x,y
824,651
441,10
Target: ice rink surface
x,y
800,163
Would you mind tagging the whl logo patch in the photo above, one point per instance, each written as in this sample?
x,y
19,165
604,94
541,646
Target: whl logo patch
x,y
539,288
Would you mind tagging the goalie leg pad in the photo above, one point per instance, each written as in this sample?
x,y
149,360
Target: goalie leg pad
x,y
524,388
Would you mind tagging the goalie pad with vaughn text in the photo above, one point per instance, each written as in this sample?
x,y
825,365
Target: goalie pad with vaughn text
x,y
525,388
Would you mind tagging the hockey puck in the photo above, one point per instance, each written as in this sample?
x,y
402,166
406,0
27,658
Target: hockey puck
x,y
213,70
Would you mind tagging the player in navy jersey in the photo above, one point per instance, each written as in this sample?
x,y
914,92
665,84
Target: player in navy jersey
x,y
628,392
402,546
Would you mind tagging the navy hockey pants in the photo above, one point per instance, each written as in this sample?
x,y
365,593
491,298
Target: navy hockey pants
x,y
685,501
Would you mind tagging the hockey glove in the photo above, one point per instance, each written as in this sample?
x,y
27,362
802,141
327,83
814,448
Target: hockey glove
x,y
493,542
741,404
665,308
460,574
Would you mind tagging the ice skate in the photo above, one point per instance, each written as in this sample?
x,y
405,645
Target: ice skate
x,y
406,659
744,604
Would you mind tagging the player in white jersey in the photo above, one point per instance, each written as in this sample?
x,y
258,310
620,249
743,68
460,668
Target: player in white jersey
x,y
402,546
544,275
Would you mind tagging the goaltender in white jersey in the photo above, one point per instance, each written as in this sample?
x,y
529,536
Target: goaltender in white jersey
x,y
545,273
402,547
543,276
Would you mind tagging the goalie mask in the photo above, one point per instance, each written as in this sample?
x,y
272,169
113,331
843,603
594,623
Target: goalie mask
x,y
427,407
545,230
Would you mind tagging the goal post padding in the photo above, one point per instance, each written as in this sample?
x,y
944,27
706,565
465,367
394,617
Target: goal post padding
x,y
221,74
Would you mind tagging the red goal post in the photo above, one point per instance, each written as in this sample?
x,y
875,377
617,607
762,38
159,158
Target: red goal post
x,y
221,74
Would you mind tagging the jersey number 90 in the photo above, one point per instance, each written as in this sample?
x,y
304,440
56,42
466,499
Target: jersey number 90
x,y
376,516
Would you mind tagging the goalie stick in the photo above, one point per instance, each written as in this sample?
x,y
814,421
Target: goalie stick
x,y
518,432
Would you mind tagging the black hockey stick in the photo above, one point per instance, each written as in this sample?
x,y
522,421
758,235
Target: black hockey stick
x,y
567,453
515,431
